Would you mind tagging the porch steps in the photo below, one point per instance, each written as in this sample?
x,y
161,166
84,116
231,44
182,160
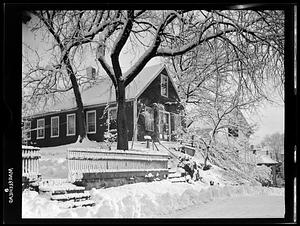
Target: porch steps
x,y
178,180
66,194
175,176
71,204
70,196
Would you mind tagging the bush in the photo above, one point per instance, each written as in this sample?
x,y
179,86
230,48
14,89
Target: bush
x,y
263,175
280,182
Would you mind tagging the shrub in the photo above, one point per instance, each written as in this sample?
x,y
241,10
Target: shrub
x,y
263,175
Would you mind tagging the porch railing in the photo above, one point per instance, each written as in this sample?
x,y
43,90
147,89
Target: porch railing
x,y
92,160
30,161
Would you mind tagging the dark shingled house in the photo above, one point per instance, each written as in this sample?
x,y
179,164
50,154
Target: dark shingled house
x,y
152,87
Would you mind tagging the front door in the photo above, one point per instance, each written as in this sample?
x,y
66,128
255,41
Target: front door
x,y
164,126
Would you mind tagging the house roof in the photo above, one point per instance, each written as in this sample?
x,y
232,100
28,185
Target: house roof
x,y
201,125
265,159
103,91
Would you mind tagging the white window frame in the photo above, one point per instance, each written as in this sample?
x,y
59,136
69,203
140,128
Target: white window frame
x,y
70,115
149,129
87,125
161,87
51,128
26,128
40,128
108,116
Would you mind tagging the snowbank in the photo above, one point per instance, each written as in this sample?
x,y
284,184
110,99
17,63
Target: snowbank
x,y
140,200
54,168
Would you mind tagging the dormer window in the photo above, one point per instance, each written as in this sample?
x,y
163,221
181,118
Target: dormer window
x,y
164,86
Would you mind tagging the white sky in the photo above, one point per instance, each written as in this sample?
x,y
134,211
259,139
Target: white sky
x,y
270,118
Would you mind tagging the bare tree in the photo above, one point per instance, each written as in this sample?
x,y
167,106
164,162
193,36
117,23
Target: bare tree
x,y
159,33
231,72
258,55
219,112
276,142
70,31
174,33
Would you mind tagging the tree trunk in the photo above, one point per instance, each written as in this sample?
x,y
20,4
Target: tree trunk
x,y
122,137
80,110
206,157
81,123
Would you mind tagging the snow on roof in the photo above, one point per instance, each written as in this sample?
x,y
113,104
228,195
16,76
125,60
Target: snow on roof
x,y
104,92
265,159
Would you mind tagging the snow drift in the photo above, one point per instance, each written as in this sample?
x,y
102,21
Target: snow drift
x,y
141,200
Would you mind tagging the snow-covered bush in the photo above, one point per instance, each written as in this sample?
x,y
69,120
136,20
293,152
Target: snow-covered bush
x,y
110,137
263,175
280,182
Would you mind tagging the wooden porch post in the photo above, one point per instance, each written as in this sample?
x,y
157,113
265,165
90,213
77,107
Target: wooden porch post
x,y
135,120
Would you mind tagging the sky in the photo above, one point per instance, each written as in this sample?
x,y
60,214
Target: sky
x,y
270,119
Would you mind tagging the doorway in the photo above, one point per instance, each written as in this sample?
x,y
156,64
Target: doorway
x,y
164,126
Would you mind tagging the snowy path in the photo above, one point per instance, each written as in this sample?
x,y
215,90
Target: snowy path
x,y
235,207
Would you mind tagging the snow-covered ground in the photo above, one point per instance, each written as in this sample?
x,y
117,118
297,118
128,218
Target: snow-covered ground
x,y
258,206
140,200
53,162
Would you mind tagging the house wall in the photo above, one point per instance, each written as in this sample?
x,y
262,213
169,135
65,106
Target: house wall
x,y
63,139
151,95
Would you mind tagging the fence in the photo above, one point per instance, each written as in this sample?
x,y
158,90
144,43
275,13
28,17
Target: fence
x,y
90,160
30,161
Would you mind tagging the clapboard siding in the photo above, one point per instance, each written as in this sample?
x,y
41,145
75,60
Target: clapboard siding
x,y
62,139
151,95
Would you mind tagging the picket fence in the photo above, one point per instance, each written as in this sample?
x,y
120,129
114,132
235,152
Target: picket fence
x,y
30,161
93,160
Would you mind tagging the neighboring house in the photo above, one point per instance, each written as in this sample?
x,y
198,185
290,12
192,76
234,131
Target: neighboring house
x,y
267,156
267,151
153,85
234,128
266,160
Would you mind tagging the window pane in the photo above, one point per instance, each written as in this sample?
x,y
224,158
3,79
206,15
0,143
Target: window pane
x,y
112,121
40,128
113,114
54,126
27,130
71,125
91,122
